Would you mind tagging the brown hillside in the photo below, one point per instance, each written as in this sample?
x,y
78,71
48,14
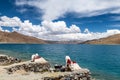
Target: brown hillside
x,y
114,39
15,37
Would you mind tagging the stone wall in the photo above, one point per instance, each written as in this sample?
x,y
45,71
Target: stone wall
x,y
29,67
42,67
70,76
7,60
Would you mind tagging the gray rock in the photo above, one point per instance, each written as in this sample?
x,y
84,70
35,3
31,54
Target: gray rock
x,y
29,67
7,60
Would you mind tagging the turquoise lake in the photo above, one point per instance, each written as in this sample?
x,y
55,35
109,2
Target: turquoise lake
x,y
102,60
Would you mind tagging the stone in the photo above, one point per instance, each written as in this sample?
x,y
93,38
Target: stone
x,y
7,60
29,67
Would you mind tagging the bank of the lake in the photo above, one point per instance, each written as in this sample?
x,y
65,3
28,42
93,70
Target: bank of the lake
x,y
102,60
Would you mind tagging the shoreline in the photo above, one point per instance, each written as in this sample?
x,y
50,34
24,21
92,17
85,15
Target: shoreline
x,y
30,70
57,44
52,53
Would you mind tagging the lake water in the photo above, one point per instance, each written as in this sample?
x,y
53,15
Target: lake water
x,y
102,60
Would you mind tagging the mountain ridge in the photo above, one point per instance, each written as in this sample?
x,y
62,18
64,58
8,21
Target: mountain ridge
x,y
113,39
15,37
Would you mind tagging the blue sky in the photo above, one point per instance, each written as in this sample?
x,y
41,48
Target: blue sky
x,y
95,23
8,8
97,17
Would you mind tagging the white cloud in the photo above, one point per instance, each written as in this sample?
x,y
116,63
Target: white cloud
x,y
6,31
53,9
86,30
55,31
9,22
59,27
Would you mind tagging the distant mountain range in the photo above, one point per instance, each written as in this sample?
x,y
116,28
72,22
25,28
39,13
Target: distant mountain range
x,y
114,39
15,37
64,42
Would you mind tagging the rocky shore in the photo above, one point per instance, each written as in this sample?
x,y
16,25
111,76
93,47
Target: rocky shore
x,y
28,67
17,70
7,60
69,76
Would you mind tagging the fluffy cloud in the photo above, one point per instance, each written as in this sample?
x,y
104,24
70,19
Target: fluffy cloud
x,y
55,31
53,9
59,27
10,22
86,30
